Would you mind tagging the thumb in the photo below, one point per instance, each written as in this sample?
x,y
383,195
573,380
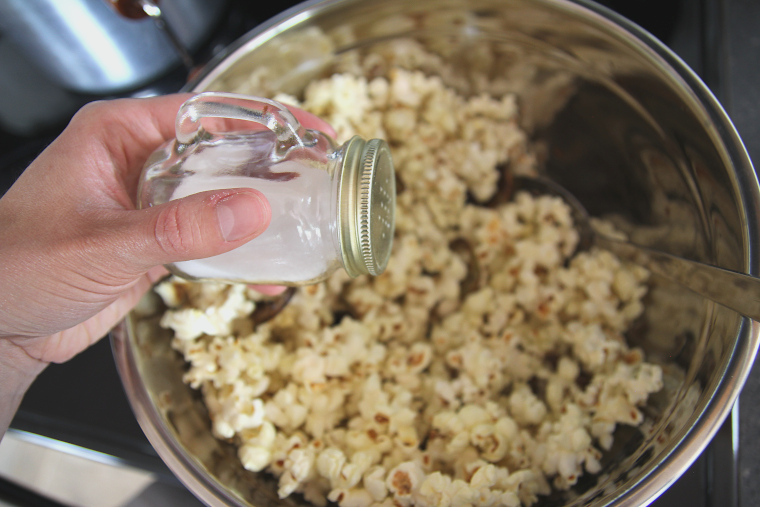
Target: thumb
x,y
197,226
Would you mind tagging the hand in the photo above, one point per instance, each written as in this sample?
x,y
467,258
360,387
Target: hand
x,y
75,254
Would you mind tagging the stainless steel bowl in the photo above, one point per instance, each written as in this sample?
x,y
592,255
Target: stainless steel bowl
x,y
620,121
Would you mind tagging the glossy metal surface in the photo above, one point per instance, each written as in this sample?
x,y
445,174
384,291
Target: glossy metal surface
x,y
619,121
87,46
737,291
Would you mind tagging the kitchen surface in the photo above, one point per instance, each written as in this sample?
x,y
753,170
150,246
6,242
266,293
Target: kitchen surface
x,y
75,440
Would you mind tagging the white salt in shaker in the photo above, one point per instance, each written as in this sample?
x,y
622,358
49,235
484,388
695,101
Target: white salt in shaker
x,y
332,206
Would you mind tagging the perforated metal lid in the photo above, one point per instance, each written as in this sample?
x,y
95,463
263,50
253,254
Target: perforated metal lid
x,y
367,206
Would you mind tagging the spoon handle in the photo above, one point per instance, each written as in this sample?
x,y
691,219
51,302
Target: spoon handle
x,y
737,291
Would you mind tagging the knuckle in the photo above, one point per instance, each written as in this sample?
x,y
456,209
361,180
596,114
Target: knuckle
x,y
103,111
97,116
91,110
174,235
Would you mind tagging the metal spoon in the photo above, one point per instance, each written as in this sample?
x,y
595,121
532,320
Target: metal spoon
x,y
738,291
152,9
268,309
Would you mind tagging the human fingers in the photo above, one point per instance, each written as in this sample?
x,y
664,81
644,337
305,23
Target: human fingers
x,y
269,290
198,226
129,129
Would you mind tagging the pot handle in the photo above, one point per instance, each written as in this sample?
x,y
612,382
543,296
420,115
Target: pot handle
x,y
269,113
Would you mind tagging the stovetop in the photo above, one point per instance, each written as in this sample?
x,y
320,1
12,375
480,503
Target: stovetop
x,y
82,402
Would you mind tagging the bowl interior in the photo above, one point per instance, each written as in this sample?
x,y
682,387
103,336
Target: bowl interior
x,y
615,119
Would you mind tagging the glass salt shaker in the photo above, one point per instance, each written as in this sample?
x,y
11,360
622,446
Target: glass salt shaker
x,y
332,206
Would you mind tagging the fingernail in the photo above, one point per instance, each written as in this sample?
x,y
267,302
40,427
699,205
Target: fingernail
x,y
242,215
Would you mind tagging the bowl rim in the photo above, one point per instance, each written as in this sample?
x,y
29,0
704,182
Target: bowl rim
x,y
189,472
660,475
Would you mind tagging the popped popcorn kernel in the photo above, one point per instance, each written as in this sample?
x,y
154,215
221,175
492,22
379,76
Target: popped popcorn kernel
x,y
485,366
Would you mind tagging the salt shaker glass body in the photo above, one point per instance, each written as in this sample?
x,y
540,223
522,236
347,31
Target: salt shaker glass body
x,y
332,206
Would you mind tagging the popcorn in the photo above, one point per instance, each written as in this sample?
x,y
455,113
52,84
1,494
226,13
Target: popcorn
x,y
354,497
256,450
485,366
330,463
213,320
493,446
403,481
254,458
374,483
526,408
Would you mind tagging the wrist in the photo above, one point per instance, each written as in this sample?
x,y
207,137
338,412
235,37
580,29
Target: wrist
x,y
17,372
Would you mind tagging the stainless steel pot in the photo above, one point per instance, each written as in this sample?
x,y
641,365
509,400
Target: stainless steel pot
x,y
620,120
88,46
